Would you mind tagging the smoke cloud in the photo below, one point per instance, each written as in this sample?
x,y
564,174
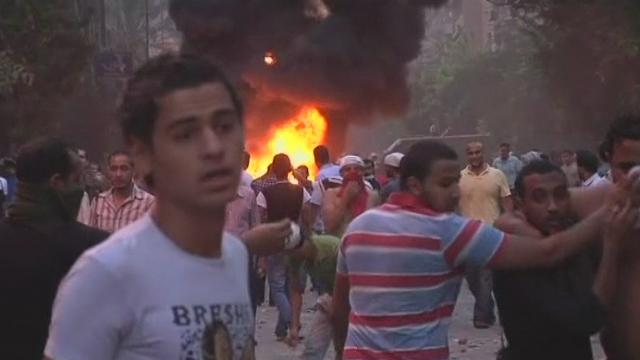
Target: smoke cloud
x,y
347,57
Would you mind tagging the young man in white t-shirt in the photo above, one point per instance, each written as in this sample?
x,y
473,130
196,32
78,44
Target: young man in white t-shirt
x,y
171,285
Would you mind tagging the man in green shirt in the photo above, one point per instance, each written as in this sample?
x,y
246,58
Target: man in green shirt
x,y
320,256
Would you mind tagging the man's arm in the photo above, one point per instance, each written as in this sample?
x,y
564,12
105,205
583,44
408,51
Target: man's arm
x,y
507,204
584,201
517,252
267,238
618,228
334,209
505,193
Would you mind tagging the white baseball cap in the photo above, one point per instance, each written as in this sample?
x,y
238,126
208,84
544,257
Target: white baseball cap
x,y
393,159
351,160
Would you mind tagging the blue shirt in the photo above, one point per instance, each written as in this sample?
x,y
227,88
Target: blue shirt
x,y
510,167
328,170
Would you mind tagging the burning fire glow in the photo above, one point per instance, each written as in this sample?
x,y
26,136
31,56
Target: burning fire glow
x,y
270,58
295,137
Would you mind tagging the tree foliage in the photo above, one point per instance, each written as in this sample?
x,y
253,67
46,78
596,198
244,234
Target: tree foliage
x,y
44,50
560,72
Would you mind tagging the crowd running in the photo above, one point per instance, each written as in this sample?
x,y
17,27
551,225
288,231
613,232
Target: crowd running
x,y
164,249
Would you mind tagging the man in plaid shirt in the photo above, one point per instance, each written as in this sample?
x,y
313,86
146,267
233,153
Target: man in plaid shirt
x,y
124,203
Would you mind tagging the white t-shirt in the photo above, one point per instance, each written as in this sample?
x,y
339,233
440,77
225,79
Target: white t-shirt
x,y
139,296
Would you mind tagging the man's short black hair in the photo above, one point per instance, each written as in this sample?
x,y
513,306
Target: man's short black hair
x,y
504,144
321,154
421,156
369,162
540,167
626,127
119,153
158,77
588,160
42,158
281,166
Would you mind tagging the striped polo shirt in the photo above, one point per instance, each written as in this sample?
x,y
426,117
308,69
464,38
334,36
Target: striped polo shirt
x,y
403,262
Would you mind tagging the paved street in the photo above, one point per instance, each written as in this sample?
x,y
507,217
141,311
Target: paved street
x,y
467,343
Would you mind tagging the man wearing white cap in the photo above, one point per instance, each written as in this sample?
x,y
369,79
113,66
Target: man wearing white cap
x,y
343,204
392,167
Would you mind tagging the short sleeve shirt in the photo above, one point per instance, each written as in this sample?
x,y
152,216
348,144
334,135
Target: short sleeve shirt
x,y
403,262
510,167
481,195
139,296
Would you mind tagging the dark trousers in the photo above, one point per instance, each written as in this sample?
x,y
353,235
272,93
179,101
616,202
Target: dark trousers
x,y
480,282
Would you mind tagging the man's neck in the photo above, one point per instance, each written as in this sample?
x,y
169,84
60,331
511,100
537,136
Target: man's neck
x,y
198,232
479,169
123,193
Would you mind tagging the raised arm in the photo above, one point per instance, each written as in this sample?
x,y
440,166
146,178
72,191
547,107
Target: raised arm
x,y
519,252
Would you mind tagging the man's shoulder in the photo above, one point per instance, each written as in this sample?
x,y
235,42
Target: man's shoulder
x,y
88,234
495,173
125,244
246,192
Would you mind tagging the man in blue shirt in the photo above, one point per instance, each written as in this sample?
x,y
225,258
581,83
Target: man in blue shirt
x,y
508,164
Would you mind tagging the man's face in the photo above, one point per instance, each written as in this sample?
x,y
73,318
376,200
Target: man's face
x,y
304,172
625,155
352,171
546,203
390,171
83,157
197,151
504,152
440,188
475,155
75,178
120,171
567,158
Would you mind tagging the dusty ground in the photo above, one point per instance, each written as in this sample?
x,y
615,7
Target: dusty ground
x,y
466,342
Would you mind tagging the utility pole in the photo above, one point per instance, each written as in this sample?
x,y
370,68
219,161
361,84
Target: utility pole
x,y
146,12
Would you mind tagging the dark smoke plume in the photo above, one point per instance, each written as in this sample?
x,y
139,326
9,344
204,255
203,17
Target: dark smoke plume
x,y
348,57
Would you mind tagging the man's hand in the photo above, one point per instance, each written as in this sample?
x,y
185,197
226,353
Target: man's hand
x,y
268,238
351,190
619,225
515,223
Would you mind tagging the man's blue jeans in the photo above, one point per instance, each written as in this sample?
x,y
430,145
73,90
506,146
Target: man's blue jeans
x,y
277,274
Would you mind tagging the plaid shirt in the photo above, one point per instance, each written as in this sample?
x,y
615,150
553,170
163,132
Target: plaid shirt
x,y
105,215
258,185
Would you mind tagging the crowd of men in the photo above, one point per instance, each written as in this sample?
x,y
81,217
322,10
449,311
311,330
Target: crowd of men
x,y
170,260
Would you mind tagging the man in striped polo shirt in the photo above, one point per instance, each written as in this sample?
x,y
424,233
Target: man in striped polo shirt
x,y
400,266
124,202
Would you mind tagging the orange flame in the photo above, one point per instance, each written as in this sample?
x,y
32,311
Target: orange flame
x,y
295,137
